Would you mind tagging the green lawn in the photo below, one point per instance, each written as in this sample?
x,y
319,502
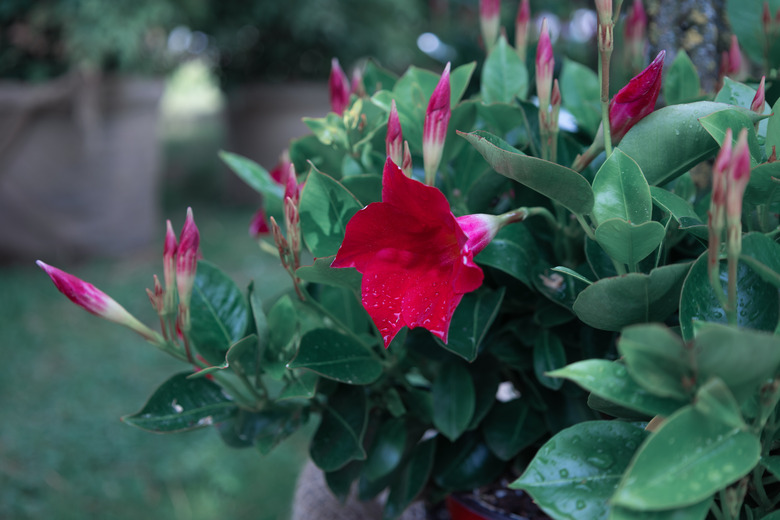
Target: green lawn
x,y
67,377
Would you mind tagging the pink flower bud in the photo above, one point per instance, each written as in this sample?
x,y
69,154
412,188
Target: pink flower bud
x,y
521,28
259,225
282,168
731,61
406,167
356,86
187,259
636,23
157,296
292,189
437,117
169,266
757,105
766,18
720,173
739,175
489,21
555,104
636,100
95,301
394,142
545,63
339,88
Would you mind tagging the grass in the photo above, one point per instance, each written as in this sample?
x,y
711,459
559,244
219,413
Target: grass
x,y
66,377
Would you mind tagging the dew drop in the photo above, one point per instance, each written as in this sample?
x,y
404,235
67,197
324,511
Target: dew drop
x,y
564,473
580,504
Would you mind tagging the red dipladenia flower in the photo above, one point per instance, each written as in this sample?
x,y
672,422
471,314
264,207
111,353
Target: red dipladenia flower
x,y
636,100
338,85
416,258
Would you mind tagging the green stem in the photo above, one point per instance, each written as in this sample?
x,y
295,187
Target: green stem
x,y
758,484
585,226
604,57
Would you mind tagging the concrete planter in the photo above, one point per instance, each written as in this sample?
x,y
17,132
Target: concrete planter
x,y
79,167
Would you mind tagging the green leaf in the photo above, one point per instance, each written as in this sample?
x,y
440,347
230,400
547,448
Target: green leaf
x,y
471,321
321,272
772,463
325,208
611,381
621,191
504,76
554,181
337,356
511,427
219,313
580,93
453,400
682,82
676,131
412,479
339,437
514,251
715,400
745,20
465,464
366,188
679,208
695,512
387,449
762,254
575,473
181,404
773,130
717,124
690,457
764,185
330,130
258,179
758,303
744,359
657,359
548,356
628,243
613,303
303,386
264,429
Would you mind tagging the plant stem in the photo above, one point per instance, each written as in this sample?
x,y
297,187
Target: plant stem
x,y
604,58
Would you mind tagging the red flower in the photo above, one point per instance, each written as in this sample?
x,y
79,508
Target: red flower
x,y
417,259
636,100
339,88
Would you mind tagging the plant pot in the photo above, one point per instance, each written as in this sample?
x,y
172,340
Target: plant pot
x,y
491,506
79,167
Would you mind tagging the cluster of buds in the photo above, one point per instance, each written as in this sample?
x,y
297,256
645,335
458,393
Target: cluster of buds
x,y
341,88
179,268
606,26
489,22
522,22
397,149
549,94
290,247
634,35
730,176
437,118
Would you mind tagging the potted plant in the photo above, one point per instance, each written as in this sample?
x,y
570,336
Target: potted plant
x,y
492,298
81,80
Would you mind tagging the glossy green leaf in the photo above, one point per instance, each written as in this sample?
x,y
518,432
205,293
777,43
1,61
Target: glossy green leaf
x,y
744,359
580,93
762,254
690,457
321,272
511,427
325,208
339,437
758,303
681,82
486,377
219,313
611,381
613,303
337,356
715,400
504,76
308,150
261,325
182,404
764,185
628,243
745,20
574,474
548,356
258,179
717,124
453,400
735,93
302,386
465,464
657,359
773,130
412,479
386,450
695,512
330,130
687,145
264,429
554,181
673,204
514,251
621,191
365,188
772,463
471,321
241,357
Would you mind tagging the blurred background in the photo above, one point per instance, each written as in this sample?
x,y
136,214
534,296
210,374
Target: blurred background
x,y
111,117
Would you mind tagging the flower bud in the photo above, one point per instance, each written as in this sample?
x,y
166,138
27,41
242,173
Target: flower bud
x,y
545,63
437,117
757,105
406,167
489,21
187,260
604,11
636,100
521,29
731,61
634,33
95,301
766,18
169,267
339,88
356,86
739,175
555,104
394,142
259,225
